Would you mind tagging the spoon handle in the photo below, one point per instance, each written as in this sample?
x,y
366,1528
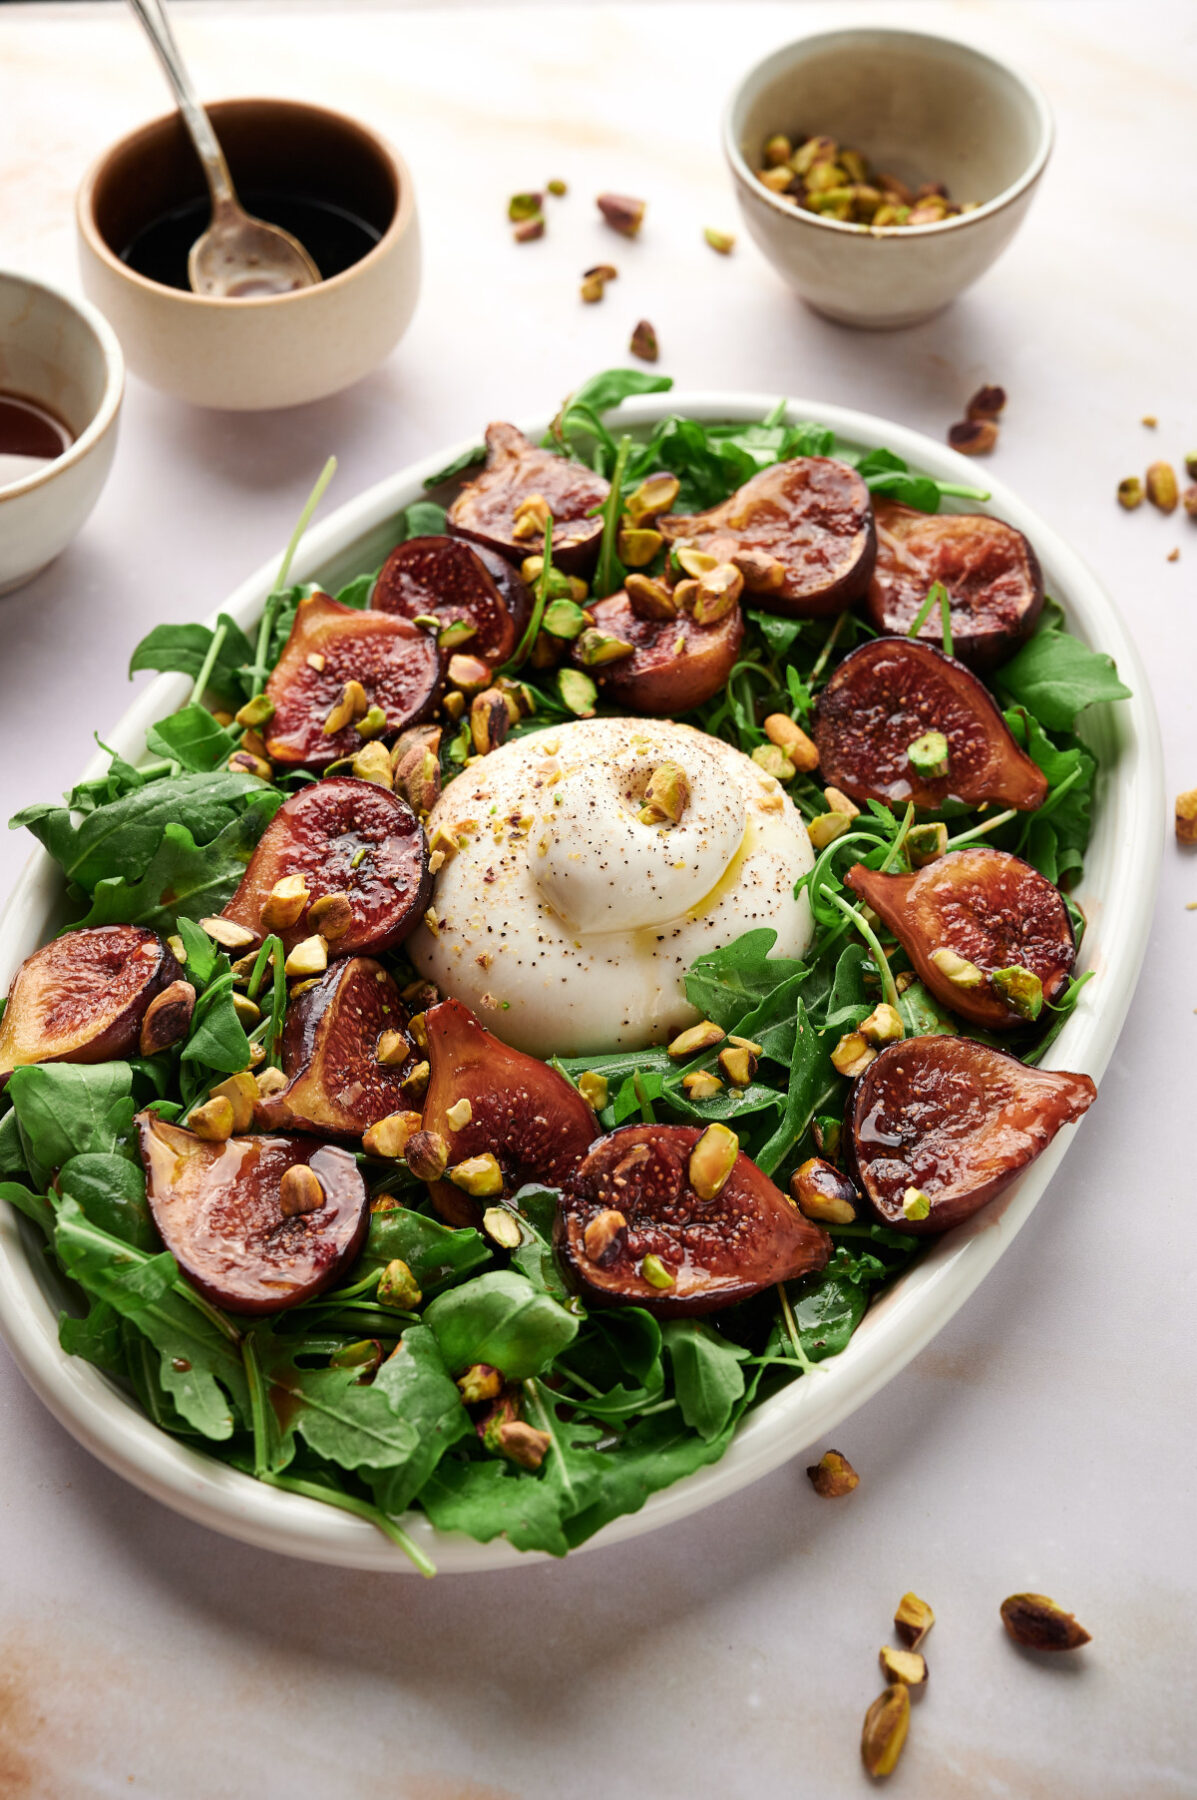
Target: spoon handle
x,y
152,14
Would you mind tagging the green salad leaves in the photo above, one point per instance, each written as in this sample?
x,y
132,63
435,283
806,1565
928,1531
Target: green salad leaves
x,y
354,1401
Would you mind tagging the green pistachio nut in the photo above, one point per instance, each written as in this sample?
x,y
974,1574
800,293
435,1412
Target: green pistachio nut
x,y
1021,989
929,755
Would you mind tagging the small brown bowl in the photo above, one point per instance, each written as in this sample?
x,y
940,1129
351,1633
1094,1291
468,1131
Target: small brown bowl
x,y
250,355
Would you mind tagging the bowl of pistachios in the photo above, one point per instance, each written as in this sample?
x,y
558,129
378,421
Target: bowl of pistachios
x,y
881,172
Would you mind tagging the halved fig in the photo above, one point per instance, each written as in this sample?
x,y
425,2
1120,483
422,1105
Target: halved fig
x,y
532,1120
347,838
82,998
675,664
989,909
456,582
337,1086
517,470
219,1208
631,1199
990,571
892,692
398,664
937,1126
812,515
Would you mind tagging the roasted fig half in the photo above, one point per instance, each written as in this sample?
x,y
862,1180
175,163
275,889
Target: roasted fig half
x,y
812,515
938,1125
975,924
398,666
990,571
634,1230
334,1034
459,584
237,1221
530,1119
353,842
675,664
82,997
517,471
890,695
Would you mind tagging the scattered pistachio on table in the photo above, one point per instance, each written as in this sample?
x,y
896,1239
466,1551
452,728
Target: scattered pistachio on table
x,y
643,342
622,212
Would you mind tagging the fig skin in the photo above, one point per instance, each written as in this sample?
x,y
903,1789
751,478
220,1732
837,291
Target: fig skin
x,y
216,1206
885,695
317,833
532,1120
719,1251
991,908
813,514
956,1119
454,580
337,1087
82,997
658,678
399,665
516,469
989,569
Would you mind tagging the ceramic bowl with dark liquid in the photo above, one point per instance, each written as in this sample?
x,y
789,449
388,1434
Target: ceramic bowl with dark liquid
x,y
337,186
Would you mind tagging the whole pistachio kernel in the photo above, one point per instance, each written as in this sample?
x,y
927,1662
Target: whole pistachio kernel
x,y
884,1732
213,1121
719,591
353,704
637,546
426,1155
593,1088
578,693
247,1010
601,1232
1040,1624
643,342
778,149
776,180
1021,989
389,1137
929,755
655,1273
398,1288
502,1228
299,1191
833,1476
703,1036
957,969
564,619
168,1017
373,763
255,712
712,1160
823,1193
524,206
1189,501
333,913
622,212
597,648
556,187
244,762
650,599
1130,492
1162,488
883,1026
971,437
839,802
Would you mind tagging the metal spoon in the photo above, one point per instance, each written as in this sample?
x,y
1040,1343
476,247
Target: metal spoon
x,y
238,257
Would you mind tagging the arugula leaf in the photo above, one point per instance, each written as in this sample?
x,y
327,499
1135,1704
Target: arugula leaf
x,y
536,1208
487,1499
501,1319
68,1109
652,1455
98,1338
726,985
123,836
199,1366
34,1206
354,1426
469,459
192,738
813,1081
922,1015
184,879
707,1376
184,648
602,393
436,1254
1056,677
423,518
110,1190
827,1313
418,1388
12,1154
1054,838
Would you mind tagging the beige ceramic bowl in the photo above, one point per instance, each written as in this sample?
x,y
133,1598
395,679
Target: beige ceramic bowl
x,y
251,355
922,108
60,353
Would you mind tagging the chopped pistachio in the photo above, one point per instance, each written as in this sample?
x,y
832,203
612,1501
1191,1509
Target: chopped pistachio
x,y
701,1084
778,150
643,342
392,1050
373,763
913,1620
781,730
309,957
490,721
929,755
530,517
637,546
826,828
247,1010
915,1204
480,1382
774,761
1130,492
906,1666
365,1356
415,1083
285,902
577,692
957,969
556,187
564,619
242,1093
601,1232
712,1160
353,704
883,1026
667,795
593,1088
1186,817
459,1114
480,1176
269,1081
398,1289
597,648
822,1193
833,1476
388,1137
650,599
213,1121
722,241
852,1055
333,913
1021,989
926,843
255,712
738,1064
655,1273
839,802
